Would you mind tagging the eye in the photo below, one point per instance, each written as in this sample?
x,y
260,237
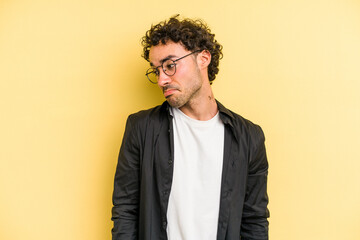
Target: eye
x,y
152,71
156,71
169,66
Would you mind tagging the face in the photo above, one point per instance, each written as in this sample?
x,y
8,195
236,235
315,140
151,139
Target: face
x,y
184,86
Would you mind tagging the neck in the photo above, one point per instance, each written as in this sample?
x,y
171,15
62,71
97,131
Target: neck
x,y
203,107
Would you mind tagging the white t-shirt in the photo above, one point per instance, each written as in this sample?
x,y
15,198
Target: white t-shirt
x,y
193,209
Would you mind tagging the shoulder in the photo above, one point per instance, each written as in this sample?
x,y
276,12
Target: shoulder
x,y
242,127
253,129
143,117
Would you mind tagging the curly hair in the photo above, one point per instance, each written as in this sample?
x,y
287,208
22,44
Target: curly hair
x,y
192,34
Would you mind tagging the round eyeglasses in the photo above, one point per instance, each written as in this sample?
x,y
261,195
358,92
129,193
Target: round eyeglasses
x,y
168,66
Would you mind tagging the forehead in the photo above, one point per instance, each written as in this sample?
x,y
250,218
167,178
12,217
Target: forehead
x,y
163,51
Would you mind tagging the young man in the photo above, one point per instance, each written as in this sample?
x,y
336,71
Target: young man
x,y
189,169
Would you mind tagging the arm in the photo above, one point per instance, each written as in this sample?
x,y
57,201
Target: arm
x,y
255,213
125,212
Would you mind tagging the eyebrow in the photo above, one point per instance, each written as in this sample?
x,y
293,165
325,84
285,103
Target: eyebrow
x,y
163,60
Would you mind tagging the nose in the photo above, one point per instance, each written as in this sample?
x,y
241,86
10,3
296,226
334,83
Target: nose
x,y
163,79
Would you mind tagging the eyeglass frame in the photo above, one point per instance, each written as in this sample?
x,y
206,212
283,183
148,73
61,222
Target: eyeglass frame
x,y
154,69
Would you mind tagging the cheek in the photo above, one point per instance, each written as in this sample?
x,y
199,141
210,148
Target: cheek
x,y
183,71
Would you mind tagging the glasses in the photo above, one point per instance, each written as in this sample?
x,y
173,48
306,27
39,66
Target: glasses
x,y
168,66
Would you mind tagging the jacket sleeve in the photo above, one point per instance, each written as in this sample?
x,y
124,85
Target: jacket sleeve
x,y
125,211
255,213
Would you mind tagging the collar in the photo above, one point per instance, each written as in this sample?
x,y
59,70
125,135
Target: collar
x,y
225,114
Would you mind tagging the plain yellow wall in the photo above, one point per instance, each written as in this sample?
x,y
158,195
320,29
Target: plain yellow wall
x,y
71,72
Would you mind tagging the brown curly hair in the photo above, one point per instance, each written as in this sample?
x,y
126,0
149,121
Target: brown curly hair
x,y
192,34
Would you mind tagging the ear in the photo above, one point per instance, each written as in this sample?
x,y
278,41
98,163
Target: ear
x,y
204,59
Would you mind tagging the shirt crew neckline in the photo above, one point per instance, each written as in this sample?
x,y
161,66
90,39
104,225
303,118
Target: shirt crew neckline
x,y
195,122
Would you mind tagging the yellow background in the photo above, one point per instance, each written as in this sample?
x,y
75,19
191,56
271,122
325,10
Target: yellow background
x,y
71,72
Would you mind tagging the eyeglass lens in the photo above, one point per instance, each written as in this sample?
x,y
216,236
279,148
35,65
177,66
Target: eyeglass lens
x,y
169,68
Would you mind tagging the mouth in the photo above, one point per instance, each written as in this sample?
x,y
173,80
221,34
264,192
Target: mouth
x,y
169,91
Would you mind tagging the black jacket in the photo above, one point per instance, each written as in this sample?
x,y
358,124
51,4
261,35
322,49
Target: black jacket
x,y
144,175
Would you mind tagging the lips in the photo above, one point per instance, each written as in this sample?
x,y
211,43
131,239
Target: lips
x,y
168,91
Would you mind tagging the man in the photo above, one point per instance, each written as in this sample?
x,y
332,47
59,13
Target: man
x,y
189,169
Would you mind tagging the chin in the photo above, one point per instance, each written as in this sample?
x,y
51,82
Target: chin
x,y
175,103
